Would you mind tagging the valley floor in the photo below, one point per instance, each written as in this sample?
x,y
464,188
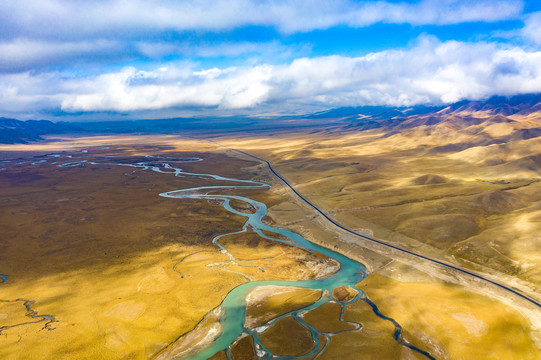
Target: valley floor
x,y
97,250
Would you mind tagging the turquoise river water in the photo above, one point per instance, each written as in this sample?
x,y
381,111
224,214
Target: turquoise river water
x,y
233,306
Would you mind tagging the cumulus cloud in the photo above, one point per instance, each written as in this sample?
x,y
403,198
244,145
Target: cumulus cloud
x,y
20,55
30,93
532,28
72,19
429,72
131,90
39,34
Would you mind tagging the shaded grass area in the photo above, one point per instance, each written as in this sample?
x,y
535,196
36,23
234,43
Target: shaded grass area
x,y
96,246
244,349
326,318
287,337
373,341
81,217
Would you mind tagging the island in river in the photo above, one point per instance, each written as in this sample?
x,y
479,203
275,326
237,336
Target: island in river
x,y
163,247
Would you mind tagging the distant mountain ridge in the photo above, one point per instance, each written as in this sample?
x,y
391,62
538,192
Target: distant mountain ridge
x,y
495,105
499,109
499,105
379,112
14,131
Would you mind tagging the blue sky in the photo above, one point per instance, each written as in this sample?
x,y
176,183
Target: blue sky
x,y
76,59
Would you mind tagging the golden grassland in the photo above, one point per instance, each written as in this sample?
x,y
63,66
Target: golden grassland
x,y
466,191
452,322
344,294
375,340
443,319
467,194
96,247
194,341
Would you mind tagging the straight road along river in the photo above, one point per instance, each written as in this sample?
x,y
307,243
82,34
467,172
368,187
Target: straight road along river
x,y
435,261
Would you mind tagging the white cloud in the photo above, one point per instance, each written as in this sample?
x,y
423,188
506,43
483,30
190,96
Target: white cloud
x,y
40,34
532,28
429,72
71,19
23,54
132,90
26,92
19,55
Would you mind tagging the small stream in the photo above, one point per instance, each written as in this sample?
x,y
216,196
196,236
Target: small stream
x,y
47,320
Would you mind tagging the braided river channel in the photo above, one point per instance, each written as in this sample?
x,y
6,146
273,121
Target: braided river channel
x,y
233,307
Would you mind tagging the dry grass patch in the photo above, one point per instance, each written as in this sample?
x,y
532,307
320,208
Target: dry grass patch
x,y
287,337
452,322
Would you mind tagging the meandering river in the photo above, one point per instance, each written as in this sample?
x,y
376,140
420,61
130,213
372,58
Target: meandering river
x,y
233,306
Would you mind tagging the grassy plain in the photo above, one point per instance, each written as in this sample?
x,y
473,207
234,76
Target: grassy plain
x,y
287,337
461,189
326,318
95,247
466,191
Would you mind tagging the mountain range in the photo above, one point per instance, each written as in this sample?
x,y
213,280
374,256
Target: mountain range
x,y
524,111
